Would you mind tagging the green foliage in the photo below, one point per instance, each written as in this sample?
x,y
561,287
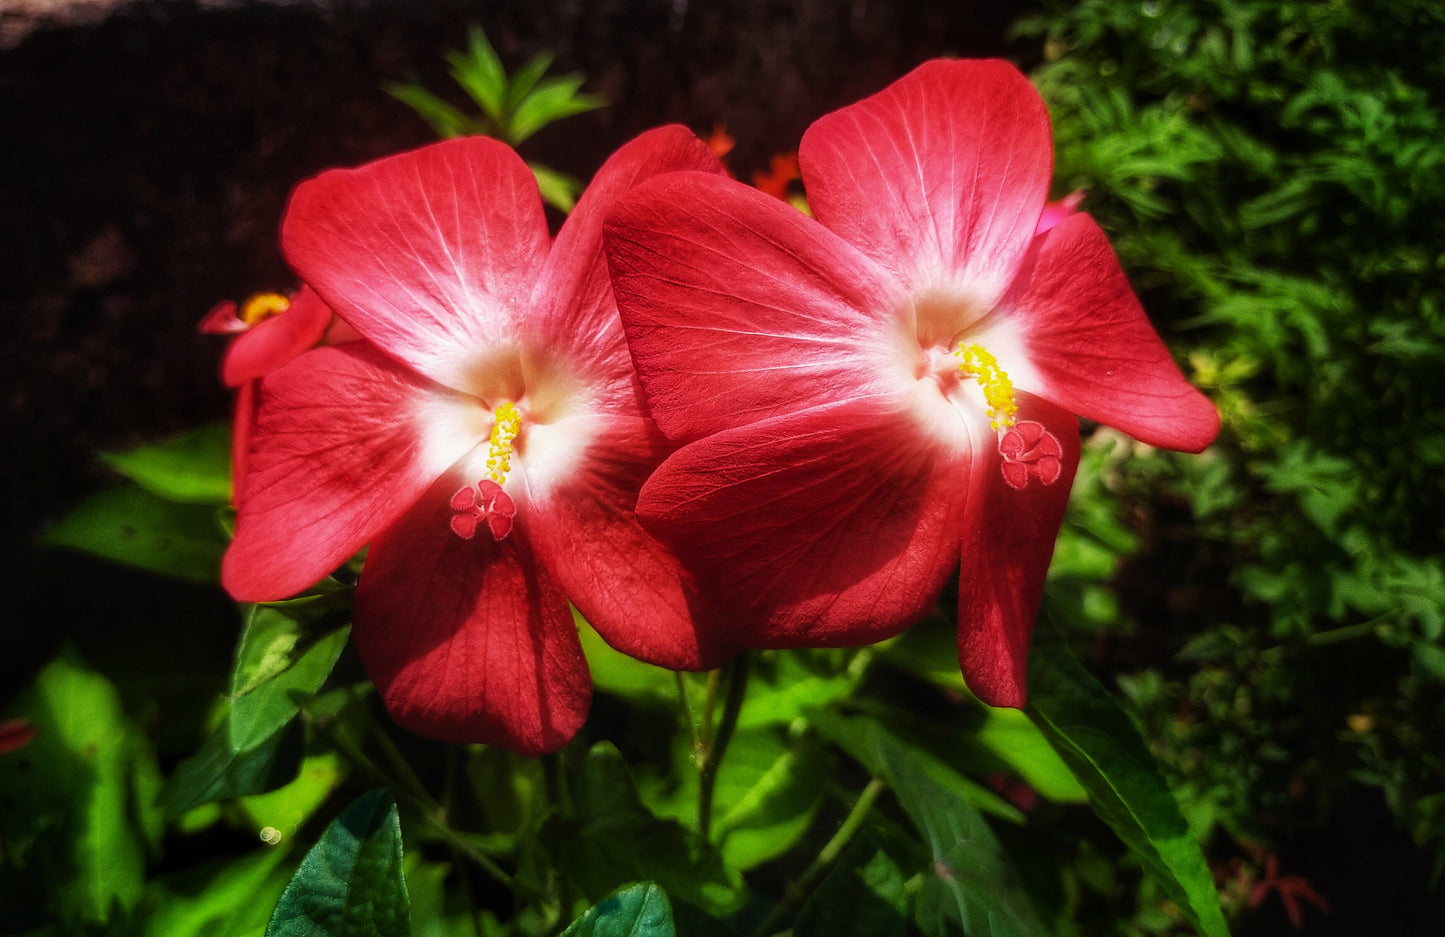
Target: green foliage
x,y
1270,176
1110,760
513,108
350,884
129,525
77,805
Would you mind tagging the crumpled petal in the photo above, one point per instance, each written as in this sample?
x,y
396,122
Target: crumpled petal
x,y
431,254
799,526
628,586
940,178
738,307
275,340
573,315
1092,348
344,441
1008,541
468,640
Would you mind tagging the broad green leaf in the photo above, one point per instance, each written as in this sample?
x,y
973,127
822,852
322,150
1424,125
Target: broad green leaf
x,y
131,526
1010,735
865,895
219,772
278,815
783,686
859,736
350,884
278,668
195,468
612,839
638,911
970,881
222,898
1109,758
75,803
766,795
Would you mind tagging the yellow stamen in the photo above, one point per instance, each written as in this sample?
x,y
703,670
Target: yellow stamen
x,y
975,361
508,423
261,305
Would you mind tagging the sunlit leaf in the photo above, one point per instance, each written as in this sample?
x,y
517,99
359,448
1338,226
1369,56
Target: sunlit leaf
x,y
767,793
558,189
350,884
1104,750
75,803
278,668
638,911
222,898
196,468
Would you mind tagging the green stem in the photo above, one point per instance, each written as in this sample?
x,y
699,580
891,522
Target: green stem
x,y
712,753
687,713
397,760
797,892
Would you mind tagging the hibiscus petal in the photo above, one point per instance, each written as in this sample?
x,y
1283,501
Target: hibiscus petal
x,y
243,421
1008,541
941,177
738,307
572,311
832,527
467,640
430,254
631,588
276,339
1092,348
345,439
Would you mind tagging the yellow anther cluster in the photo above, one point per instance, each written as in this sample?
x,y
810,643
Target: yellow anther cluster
x,y
975,361
499,454
262,305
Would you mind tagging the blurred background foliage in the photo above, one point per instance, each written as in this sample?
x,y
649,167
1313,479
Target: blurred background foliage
x,y
1271,176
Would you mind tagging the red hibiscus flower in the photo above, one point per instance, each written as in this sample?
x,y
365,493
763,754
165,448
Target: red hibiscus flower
x,y
270,330
871,400
488,439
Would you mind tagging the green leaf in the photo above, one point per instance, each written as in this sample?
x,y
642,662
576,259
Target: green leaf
x,y
195,468
613,839
558,189
279,815
223,898
75,802
131,526
277,670
767,793
1010,735
350,884
1104,750
481,75
970,881
219,772
784,686
549,102
638,911
615,672
865,895
447,121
